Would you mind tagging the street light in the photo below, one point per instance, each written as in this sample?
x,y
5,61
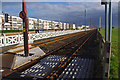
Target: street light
x,y
85,18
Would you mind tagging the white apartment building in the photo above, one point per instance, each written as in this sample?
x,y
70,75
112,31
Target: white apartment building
x,y
64,25
53,24
1,21
3,25
45,24
40,24
36,26
16,23
19,23
31,23
50,24
67,26
72,26
56,25
60,25
83,27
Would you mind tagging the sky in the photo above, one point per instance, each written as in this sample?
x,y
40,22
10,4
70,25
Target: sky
x,y
70,12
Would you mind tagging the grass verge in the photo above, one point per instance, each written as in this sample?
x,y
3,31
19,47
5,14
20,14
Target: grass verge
x,y
114,64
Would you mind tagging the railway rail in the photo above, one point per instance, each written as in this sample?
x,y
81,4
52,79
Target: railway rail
x,y
66,52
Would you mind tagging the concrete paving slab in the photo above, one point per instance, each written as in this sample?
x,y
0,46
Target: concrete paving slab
x,y
20,60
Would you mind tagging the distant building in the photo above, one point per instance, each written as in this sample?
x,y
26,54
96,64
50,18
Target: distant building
x,y
72,26
67,26
50,24
78,27
56,26
16,23
36,24
31,23
60,25
3,25
83,27
64,25
1,22
40,25
45,24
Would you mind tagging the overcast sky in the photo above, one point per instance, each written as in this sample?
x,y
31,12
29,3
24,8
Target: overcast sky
x,y
71,12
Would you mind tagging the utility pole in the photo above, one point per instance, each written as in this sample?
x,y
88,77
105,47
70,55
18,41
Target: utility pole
x,y
90,21
85,19
99,23
23,15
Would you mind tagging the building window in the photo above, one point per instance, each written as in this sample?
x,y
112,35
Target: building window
x,y
14,24
14,19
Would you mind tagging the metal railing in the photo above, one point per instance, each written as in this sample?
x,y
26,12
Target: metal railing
x,y
17,39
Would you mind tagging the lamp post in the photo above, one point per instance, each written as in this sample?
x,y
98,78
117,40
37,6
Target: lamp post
x,y
85,19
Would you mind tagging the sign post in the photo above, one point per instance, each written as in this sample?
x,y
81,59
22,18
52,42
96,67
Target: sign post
x,y
23,15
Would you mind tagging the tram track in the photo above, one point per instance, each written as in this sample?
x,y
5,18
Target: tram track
x,y
61,67
21,68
